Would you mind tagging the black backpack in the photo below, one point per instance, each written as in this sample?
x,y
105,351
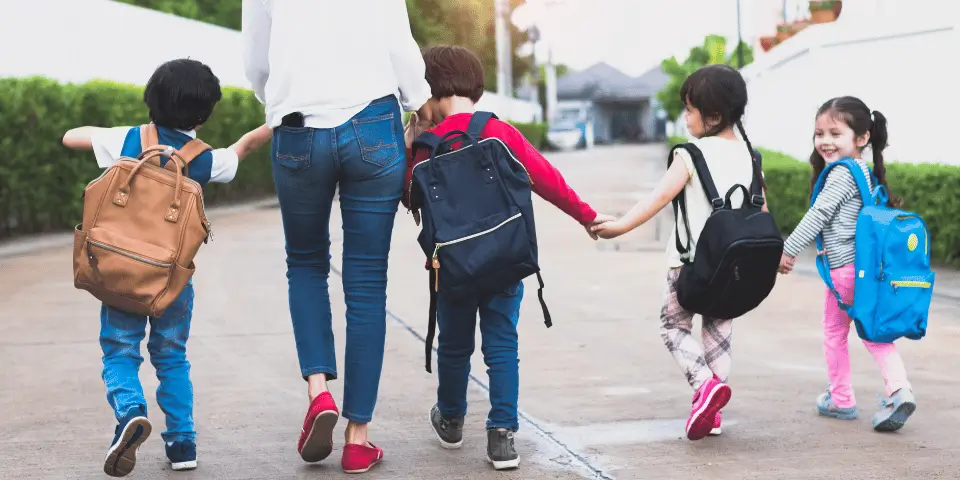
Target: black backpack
x,y
478,228
738,252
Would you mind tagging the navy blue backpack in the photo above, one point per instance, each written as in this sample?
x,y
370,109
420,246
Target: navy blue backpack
x,y
476,206
894,284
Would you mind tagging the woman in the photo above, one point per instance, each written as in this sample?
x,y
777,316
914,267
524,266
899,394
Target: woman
x,y
328,73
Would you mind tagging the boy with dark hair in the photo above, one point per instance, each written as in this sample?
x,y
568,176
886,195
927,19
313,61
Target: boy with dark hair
x,y
455,75
180,96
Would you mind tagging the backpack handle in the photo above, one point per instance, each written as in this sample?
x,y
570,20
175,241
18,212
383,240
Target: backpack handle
x,y
472,142
726,198
150,137
123,193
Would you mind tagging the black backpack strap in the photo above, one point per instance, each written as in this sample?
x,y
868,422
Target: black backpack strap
x,y
432,316
757,185
477,121
547,320
427,140
431,320
680,202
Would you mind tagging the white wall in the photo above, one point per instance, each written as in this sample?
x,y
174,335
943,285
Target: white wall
x,y
900,65
80,40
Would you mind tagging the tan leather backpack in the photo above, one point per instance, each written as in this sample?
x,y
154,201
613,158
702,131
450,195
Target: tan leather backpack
x,y
142,226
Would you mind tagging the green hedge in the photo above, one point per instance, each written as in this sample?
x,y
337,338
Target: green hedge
x,y
535,132
929,190
41,180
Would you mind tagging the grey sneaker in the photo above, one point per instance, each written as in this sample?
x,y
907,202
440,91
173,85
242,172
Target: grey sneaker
x,y
500,450
895,410
449,431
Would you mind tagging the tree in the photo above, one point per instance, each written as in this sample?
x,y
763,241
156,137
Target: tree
x,y
712,51
467,23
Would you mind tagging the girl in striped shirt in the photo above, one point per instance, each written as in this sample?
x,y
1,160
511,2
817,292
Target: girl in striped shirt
x,y
844,127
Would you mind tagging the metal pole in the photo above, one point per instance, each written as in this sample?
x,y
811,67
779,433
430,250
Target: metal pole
x,y
504,59
550,81
739,39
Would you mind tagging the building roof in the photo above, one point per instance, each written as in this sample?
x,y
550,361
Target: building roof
x,y
604,83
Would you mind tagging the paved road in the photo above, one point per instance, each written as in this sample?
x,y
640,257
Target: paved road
x,y
600,395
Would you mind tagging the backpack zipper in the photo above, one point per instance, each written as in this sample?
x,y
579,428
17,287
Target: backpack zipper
x,y
909,284
127,254
436,249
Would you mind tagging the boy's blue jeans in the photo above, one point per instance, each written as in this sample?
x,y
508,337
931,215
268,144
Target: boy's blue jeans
x,y
364,157
120,336
456,322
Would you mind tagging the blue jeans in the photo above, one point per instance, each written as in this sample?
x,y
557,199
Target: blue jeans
x,y
120,336
456,322
365,157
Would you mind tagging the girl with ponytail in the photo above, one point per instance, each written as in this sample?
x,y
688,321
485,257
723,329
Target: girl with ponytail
x,y
715,99
844,128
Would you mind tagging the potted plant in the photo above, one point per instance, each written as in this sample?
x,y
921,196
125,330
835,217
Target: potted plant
x,y
783,32
768,42
824,11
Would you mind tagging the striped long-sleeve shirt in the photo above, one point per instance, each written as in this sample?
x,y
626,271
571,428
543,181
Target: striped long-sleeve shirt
x,y
835,215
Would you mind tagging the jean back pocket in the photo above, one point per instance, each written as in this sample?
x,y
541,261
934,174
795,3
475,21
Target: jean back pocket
x,y
378,139
293,147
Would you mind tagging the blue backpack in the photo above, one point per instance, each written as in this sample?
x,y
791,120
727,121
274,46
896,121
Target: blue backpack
x,y
894,283
477,211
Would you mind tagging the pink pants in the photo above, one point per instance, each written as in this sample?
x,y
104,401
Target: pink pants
x,y
836,328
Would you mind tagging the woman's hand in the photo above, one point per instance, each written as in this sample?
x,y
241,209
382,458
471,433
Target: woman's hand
x,y
411,130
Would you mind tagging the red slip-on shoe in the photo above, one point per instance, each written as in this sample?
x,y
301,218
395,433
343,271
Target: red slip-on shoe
x,y
360,458
316,438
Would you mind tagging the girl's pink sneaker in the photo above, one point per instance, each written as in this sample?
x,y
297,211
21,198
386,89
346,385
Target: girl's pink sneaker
x,y
707,402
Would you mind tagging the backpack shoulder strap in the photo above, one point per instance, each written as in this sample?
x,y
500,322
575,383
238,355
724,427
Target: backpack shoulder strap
x,y
680,201
477,121
426,140
148,136
193,149
703,173
861,180
823,263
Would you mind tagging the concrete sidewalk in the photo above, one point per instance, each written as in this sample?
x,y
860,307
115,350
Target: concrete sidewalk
x,y
600,395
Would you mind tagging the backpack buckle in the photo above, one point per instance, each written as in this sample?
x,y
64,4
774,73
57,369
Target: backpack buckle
x,y
717,203
757,200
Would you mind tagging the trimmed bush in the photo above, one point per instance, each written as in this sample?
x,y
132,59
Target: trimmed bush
x,y
928,190
41,181
535,133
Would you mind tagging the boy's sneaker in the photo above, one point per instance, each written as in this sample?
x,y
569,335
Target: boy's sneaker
x,y
896,409
130,433
500,449
316,437
182,454
716,426
707,402
449,431
827,408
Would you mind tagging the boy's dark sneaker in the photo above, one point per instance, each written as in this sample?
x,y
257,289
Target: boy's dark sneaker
x,y
449,431
500,449
130,433
182,454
